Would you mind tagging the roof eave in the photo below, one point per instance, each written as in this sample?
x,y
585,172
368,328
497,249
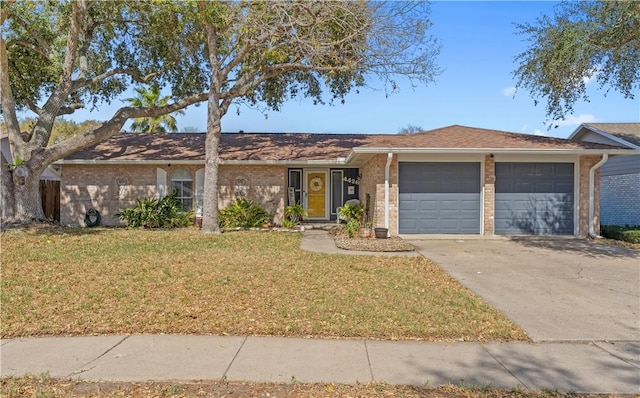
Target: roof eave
x,y
528,151
603,133
315,162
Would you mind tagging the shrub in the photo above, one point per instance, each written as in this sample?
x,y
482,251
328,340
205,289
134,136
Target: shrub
x,y
627,233
352,214
632,236
294,214
167,212
289,223
242,213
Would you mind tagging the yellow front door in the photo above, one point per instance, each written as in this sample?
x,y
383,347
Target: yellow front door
x,y
316,194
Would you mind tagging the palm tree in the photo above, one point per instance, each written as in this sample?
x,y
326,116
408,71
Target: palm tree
x,y
158,124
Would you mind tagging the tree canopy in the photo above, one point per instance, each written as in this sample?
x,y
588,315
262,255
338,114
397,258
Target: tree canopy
x,y
57,57
581,41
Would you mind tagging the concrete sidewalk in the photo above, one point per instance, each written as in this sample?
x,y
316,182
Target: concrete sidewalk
x,y
596,367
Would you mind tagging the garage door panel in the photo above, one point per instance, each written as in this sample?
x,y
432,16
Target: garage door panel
x,y
534,214
440,213
448,195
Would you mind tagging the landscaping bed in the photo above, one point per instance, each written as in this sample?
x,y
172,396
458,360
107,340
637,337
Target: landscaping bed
x,y
391,244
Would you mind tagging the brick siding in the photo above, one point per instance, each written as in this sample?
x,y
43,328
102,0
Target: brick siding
x,y
620,199
372,182
110,188
489,194
586,162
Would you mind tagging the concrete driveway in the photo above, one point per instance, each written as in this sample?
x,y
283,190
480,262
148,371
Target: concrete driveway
x,y
556,289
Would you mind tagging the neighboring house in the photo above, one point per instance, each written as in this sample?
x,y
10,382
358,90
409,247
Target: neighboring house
x,y
452,180
50,173
620,175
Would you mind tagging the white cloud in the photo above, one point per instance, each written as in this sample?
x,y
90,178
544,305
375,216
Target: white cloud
x,y
538,132
575,120
509,91
589,78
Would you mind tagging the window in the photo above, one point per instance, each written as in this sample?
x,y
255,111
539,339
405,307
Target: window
x,y
182,185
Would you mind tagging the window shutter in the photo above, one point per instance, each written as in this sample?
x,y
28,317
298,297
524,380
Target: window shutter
x,y
161,183
199,191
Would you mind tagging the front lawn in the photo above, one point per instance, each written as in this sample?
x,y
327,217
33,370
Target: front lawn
x,y
117,281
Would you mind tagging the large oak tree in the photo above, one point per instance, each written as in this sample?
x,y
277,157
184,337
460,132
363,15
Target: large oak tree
x,y
266,52
582,40
60,56
223,52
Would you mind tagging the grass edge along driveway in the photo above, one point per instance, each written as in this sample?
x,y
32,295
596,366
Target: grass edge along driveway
x,y
74,282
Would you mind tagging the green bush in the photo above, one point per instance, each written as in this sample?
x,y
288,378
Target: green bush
x,y
632,236
294,214
167,212
627,233
243,213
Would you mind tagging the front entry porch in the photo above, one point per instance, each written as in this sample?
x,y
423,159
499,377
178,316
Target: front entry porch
x,y
321,191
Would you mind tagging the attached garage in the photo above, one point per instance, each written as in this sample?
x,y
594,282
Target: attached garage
x,y
534,198
439,197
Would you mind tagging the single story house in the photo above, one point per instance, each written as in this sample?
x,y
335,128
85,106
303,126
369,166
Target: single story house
x,y
451,180
620,175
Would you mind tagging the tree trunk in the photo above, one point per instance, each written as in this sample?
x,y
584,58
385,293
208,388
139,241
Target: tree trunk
x,y
8,199
210,200
21,195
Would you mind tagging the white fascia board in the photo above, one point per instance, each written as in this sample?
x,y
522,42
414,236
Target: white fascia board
x,y
127,162
338,161
499,150
328,162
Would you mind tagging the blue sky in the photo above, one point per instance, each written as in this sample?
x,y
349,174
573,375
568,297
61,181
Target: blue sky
x,y
476,89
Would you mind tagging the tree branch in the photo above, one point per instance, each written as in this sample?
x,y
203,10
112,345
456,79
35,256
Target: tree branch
x,y
111,127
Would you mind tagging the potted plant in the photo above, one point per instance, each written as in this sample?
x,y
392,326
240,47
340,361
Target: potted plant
x,y
365,230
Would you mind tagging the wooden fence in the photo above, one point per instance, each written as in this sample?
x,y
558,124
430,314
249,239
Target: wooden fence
x,y
50,193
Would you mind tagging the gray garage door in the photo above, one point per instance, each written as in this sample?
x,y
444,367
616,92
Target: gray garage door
x,y
534,198
439,198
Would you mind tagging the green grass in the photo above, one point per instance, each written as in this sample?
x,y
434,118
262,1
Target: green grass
x,y
118,281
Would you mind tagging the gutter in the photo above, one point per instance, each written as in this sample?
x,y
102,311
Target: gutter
x,y
292,163
514,151
386,191
592,194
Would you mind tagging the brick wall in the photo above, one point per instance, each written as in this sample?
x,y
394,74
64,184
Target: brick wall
x,y
620,199
586,162
104,188
266,185
372,182
489,194
111,188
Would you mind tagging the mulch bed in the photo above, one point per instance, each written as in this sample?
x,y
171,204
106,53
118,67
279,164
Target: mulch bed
x,y
391,244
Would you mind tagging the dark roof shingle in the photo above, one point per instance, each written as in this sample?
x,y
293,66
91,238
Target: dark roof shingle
x,y
309,147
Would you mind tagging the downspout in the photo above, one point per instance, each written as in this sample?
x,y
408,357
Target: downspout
x,y
386,191
592,194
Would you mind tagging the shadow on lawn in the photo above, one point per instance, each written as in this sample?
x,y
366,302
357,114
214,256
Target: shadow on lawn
x,y
54,229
